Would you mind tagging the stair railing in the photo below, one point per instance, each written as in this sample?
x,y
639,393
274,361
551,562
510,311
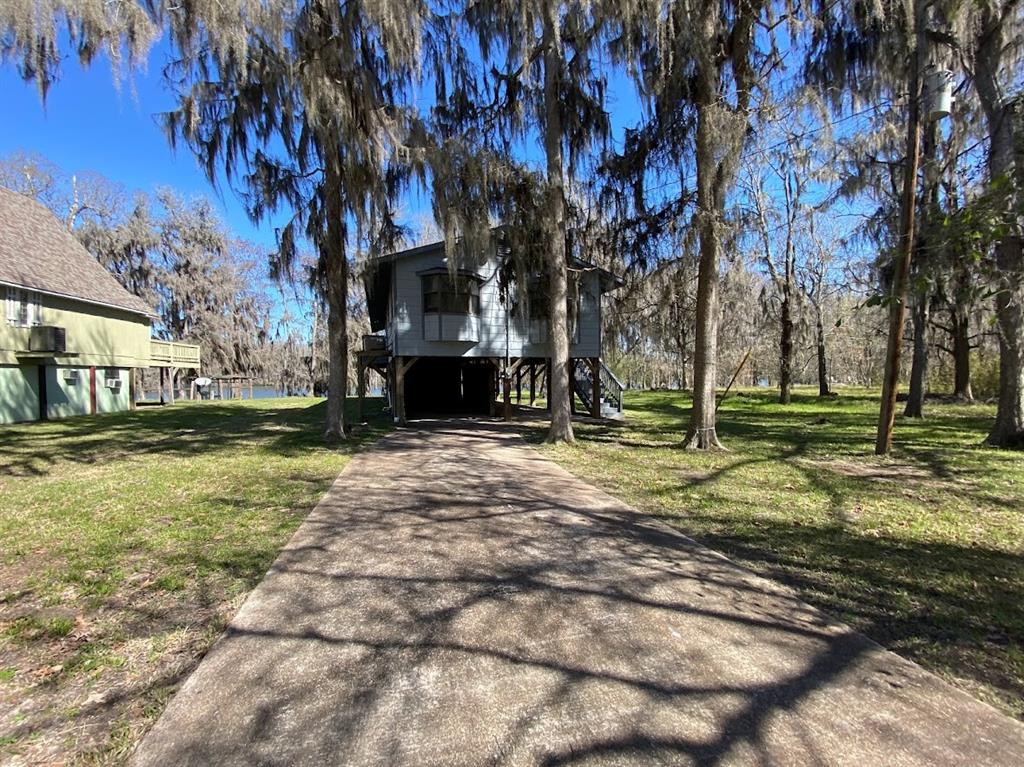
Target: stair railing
x,y
611,387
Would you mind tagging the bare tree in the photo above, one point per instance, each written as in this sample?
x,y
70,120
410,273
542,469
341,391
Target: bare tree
x,y
777,228
74,198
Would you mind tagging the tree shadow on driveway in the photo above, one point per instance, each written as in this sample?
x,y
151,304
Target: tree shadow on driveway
x,y
457,599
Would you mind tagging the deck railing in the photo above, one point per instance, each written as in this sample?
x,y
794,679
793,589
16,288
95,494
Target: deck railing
x,y
174,354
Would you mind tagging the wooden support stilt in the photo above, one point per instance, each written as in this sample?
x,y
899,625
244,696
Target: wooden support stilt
x,y
399,391
533,383
162,376
496,382
133,387
547,385
402,365
361,386
595,380
572,386
250,389
506,393
519,386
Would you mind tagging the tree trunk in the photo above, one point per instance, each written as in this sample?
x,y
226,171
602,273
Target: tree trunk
x,y
922,300
312,349
792,195
960,324
786,347
1005,161
684,380
337,310
683,342
702,432
919,366
559,396
819,329
1008,430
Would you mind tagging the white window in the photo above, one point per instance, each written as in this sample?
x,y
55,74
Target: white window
x,y
22,307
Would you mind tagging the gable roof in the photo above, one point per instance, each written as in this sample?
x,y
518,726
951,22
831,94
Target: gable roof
x,y
38,252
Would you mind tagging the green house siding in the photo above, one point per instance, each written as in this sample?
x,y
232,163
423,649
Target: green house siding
x,y
95,335
19,393
67,391
111,340
116,398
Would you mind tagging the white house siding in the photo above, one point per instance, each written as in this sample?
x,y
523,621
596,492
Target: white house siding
x,y
412,339
19,393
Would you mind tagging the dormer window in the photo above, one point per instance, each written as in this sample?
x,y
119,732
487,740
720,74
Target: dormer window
x,y
447,294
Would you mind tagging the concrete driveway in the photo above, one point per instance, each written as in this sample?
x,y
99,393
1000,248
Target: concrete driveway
x,y
456,599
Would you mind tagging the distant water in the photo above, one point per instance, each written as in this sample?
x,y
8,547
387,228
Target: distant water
x,y
259,392
268,392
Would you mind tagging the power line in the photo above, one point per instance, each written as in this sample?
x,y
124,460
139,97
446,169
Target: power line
x,y
763,151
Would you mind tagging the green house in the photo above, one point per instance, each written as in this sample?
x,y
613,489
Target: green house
x,y
71,335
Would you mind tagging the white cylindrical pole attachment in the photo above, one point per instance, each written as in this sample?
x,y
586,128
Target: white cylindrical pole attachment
x,y
940,94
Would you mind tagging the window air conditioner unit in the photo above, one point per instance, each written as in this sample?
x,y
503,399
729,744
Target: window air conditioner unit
x,y
71,376
113,383
47,338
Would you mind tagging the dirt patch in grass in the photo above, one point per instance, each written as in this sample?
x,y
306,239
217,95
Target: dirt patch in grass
x,y
878,472
134,538
88,694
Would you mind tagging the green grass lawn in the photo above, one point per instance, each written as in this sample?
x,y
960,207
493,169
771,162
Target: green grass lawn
x,y
922,551
128,540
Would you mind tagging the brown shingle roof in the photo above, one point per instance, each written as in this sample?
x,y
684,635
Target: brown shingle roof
x,y
37,251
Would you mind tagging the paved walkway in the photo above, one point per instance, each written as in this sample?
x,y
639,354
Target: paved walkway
x,y
456,599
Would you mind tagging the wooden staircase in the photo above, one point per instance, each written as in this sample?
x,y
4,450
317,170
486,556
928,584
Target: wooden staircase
x,y
610,388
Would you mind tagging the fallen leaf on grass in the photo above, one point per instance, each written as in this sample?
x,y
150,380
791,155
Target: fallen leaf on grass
x,y
45,672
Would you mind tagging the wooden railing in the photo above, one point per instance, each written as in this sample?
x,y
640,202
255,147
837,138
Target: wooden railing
x,y
611,387
173,354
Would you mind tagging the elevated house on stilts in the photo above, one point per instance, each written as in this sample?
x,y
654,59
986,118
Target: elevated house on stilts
x,y
461,341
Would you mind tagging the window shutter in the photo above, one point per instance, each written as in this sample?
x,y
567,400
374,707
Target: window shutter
x,y
37,315
12,305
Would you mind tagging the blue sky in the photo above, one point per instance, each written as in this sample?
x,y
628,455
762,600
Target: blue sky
x,y
87,124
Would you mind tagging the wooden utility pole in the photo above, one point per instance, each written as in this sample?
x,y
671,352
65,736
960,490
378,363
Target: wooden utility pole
x,y
898,295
